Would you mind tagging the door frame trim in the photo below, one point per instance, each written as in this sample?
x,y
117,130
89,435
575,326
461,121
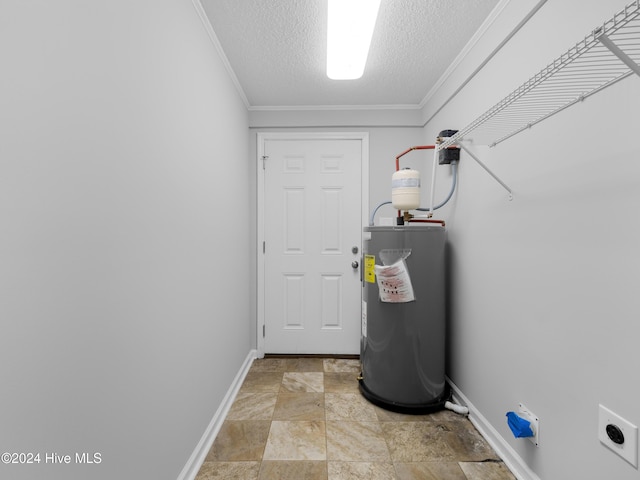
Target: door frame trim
x,y
364,214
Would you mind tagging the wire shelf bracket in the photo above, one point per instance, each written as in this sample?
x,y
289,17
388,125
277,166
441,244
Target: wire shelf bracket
x,y
606,41
493,175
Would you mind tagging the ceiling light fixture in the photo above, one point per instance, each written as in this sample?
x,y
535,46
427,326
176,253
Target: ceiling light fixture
x,y
350,27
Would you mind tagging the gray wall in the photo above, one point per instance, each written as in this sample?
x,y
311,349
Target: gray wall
x,y
544,288
123,277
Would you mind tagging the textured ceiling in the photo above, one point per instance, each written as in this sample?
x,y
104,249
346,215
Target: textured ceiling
x,y
277,49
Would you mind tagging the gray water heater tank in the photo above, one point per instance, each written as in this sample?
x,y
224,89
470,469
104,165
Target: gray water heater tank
x,y
402,348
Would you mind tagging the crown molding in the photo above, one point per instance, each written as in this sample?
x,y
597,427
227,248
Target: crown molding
x,y
311,108
495,13
197,5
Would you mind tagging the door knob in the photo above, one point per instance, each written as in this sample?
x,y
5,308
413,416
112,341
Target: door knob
x,y
354,264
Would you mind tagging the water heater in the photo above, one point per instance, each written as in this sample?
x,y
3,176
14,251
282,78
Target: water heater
x,y
402,348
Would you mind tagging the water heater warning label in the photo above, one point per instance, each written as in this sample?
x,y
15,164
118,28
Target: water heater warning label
x,y
370,268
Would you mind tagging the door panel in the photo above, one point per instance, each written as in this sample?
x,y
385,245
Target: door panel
x,y
312,219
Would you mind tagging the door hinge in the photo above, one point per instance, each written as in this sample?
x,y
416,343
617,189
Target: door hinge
x,y
264,161
264,330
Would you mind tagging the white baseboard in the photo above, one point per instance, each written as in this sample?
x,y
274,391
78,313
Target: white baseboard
x,y
509,456
196,460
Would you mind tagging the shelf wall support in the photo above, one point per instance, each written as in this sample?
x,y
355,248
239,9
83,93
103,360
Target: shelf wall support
x,y
626,59
495,177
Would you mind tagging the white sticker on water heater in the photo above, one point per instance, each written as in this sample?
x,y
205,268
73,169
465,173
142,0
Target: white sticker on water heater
x,y
394,283
364,319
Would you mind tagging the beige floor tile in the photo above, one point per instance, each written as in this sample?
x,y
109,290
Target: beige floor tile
x,y
240,441
300,406
303,382
356,442
438,416
416,441
465,443
253,406
293,470
229,471
361,471
486,471
341,382
305,365
270,365
287,364
261,382
337,365
432,441
349,407
429,471
389,416
300,440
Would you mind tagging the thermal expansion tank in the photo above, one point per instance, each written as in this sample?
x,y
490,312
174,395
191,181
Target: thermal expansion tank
x,y
402,348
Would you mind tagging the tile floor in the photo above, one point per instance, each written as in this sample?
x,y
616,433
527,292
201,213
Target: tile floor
x,y
304,419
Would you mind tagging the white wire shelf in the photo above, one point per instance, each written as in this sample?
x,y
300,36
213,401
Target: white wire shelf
x,y
607,55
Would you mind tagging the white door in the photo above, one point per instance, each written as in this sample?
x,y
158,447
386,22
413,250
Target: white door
x,y
312,217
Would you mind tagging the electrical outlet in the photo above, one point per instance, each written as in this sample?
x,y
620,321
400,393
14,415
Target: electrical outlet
x,y
534,422
618,434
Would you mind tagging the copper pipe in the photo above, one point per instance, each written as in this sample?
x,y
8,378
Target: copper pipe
x,y
419,147
426,221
